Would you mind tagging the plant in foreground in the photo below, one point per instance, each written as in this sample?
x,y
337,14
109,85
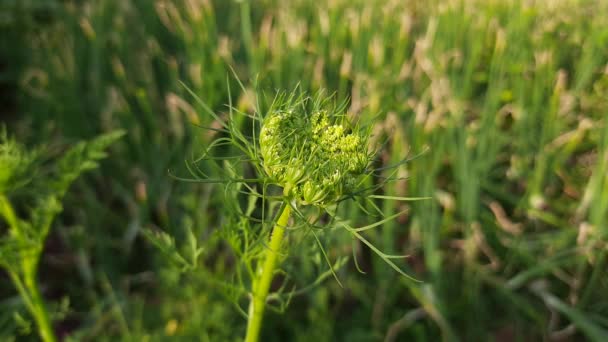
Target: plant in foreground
x,y
25,174
308,159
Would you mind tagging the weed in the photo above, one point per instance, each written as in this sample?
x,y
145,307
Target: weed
x,y
21,248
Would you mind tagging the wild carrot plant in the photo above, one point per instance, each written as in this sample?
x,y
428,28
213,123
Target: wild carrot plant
x,y
305,159
26,176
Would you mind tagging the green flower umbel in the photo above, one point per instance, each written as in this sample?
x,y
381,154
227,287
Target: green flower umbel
x,y
315,160
309,149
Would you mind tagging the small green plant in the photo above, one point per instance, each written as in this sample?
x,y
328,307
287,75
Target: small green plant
x,y
26,175
308,159
316,162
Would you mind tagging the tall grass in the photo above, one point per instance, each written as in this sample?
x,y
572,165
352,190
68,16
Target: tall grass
x,y
500,105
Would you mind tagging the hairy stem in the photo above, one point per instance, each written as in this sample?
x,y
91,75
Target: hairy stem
x,y
265,274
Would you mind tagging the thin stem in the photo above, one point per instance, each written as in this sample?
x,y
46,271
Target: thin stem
x,y
265,274
7,211
45,329
248,36
30,294
28,287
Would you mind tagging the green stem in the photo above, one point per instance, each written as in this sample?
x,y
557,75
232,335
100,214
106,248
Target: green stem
x,y
248,36
30,294
27,285
265,274
45,329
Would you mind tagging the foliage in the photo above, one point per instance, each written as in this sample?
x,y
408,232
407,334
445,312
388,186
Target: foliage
x,y
494,109
21,249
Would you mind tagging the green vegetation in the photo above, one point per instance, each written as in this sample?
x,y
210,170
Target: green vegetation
x,y
21,249
496,110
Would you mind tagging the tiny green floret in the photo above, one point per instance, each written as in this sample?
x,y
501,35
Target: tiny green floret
x,y
316,160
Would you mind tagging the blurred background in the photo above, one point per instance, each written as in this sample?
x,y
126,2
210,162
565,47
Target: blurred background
x,y
504,103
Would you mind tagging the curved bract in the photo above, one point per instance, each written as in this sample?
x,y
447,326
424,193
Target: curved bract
x,y
316,160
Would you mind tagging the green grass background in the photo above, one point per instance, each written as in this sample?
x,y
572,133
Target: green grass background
x,y
504,103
